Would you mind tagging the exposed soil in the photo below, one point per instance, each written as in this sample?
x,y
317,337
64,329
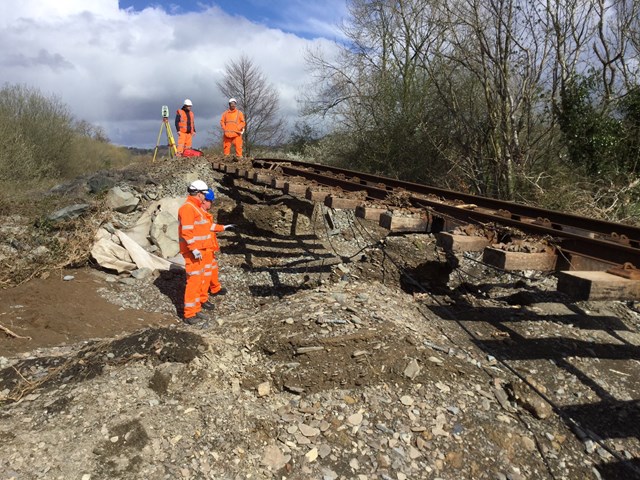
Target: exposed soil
x,y
53,311
339,352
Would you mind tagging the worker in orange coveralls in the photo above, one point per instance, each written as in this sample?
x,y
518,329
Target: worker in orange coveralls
x,y
211,284
194,233
232,123
185,126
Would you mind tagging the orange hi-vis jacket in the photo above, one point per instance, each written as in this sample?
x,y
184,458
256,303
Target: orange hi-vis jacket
x,y
185,121
232,123
194,226
212,243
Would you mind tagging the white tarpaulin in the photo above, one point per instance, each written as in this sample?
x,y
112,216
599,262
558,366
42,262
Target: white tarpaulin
x,y
121,253
126,251
112,256
140,256
161,215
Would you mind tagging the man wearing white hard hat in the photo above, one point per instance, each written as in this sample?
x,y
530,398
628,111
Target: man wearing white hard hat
x,y
232,123
194,235
185,126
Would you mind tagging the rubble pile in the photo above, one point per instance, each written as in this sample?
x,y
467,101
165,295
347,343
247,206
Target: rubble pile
x,y
340,352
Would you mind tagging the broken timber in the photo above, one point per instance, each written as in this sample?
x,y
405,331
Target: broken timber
x,y
295,189
303,350
278,183
262,178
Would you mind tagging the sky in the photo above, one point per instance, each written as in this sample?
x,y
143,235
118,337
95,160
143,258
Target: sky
x,y
115,63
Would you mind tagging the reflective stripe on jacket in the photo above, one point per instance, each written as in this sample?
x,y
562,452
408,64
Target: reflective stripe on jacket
x,y
212,243
232,123
193,226
185,121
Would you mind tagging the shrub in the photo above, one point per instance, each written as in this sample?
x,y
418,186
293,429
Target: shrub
x,y
44,144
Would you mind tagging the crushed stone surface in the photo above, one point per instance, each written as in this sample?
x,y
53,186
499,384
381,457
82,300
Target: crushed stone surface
x,y
339,352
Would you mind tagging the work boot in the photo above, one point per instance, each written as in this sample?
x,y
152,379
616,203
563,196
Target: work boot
x,y
197,318
222,291
208,305
192,320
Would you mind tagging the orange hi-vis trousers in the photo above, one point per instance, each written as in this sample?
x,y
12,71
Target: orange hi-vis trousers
x,y
235,141
211,282
184,141
193,288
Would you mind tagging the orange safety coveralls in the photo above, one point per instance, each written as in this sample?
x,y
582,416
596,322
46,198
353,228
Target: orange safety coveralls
x,y
193,232
186,127
211,283
232,123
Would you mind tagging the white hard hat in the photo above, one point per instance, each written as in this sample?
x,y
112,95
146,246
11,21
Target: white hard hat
x,y
188,102
233,100
197,186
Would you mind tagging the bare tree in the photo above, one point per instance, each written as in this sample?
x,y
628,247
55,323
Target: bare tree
x,y
476,88
613,46
258,99
500,47
374,92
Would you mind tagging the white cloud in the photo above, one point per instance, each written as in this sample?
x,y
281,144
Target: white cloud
x,y
116,68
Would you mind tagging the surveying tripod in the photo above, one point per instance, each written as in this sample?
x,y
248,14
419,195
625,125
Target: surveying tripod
x,y
165,125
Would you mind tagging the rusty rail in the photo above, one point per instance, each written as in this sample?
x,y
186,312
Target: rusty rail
x,y
600,240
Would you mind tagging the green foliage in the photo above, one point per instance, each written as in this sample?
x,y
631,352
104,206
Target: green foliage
x,y
90,155
589,134
630,135
301,138
40,130
601,139
44,143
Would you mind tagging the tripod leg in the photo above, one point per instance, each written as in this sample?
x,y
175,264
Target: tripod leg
x,y
172,143
155,151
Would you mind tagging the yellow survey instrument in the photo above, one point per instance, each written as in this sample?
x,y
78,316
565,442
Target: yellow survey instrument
x,y
166,126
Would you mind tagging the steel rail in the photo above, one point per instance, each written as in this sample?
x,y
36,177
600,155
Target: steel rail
x,y
603,249
557,221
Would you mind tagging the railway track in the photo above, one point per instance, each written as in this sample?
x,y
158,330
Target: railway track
x,y
585,243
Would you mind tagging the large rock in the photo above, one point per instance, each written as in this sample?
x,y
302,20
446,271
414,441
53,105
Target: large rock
x,y
100,182
66,213
121,201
